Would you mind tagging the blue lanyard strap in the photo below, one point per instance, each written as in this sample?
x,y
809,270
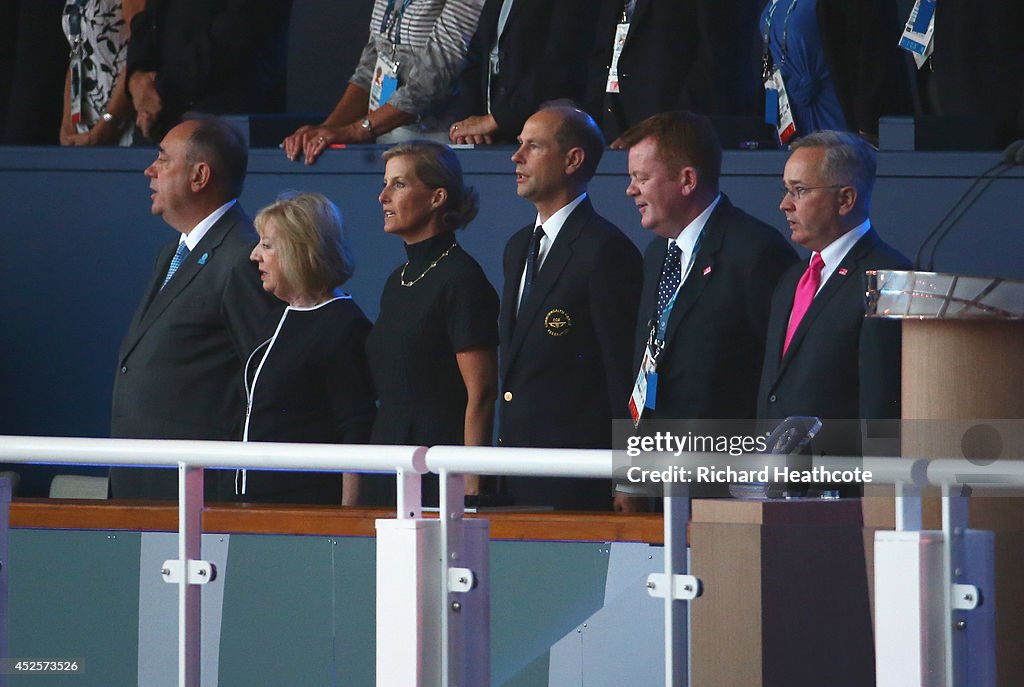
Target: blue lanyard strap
x,y
392,19
766,54
74,12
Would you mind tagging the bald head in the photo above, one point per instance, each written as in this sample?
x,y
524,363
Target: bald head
x,y
200,166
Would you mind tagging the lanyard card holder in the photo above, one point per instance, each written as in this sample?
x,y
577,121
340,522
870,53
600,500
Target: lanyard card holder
x,y
777,110
385,82
621,31
645,389
919,34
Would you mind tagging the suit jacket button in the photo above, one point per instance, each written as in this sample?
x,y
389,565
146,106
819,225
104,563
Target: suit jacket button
x,y
124,370
507,396
771,399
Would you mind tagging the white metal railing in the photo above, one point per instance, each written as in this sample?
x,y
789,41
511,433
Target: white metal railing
x,y
674,586
409,462
552,462
190,458
221,454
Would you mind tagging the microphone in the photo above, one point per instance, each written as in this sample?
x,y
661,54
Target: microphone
x,y
1012,155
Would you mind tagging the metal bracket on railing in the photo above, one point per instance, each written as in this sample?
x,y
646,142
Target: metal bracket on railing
x,y
461,580
199,572
966,597
684,587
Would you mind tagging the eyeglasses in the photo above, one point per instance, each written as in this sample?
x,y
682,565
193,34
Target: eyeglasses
x,y
798,192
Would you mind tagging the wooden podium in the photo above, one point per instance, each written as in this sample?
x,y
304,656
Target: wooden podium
x,y
787,583
785,600
963,397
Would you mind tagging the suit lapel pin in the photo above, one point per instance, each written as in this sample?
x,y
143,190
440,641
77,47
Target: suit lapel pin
x,y
707,270
203,258
843,271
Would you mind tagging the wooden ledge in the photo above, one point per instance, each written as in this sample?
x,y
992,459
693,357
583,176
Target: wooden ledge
x,y
321,520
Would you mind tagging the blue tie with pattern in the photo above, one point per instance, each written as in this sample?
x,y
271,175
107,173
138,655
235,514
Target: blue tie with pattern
x,y
179,257
671,275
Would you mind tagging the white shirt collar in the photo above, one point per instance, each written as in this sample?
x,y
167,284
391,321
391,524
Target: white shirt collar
x,y
687,238
193,238
551,229
834,253
555,222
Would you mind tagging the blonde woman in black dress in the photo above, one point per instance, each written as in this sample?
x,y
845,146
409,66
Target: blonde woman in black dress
x,y
433,349
309,382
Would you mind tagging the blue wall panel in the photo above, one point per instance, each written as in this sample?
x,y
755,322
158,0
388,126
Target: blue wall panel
x,y
79,244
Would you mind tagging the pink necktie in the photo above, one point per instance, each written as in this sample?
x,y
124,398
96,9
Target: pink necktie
x,y
805,290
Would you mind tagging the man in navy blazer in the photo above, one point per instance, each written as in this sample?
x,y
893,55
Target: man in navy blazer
x,y
566,324
179,371
708,360
700,55
524,53
202,56
831,362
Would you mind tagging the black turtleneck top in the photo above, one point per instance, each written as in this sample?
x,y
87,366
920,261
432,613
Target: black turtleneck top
x,y
449,307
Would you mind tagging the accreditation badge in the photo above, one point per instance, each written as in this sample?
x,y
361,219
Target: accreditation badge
x,y
621,31
645,390
771,102
919,34
785,123
384,83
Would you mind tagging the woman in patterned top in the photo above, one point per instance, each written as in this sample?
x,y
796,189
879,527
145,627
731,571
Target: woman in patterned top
x,y
97,109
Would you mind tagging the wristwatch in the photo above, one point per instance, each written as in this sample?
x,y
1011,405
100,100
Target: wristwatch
x,y
367,125
110,119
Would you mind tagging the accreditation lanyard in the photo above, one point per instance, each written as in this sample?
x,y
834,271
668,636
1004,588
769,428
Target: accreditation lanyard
x,y
645,390
385,72
393,20
766,54
660,328
74,11
495,56
777,109
621,33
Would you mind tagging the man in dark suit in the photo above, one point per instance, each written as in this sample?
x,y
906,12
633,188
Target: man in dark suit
x,y
202,56
524,53
179,372
976,74
572,281
700,55
823,358
708,275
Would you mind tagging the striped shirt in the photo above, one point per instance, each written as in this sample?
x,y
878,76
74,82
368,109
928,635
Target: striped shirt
x,y
429,43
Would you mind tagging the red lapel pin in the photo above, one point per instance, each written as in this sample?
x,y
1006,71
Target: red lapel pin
x,y
707,270
843,271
